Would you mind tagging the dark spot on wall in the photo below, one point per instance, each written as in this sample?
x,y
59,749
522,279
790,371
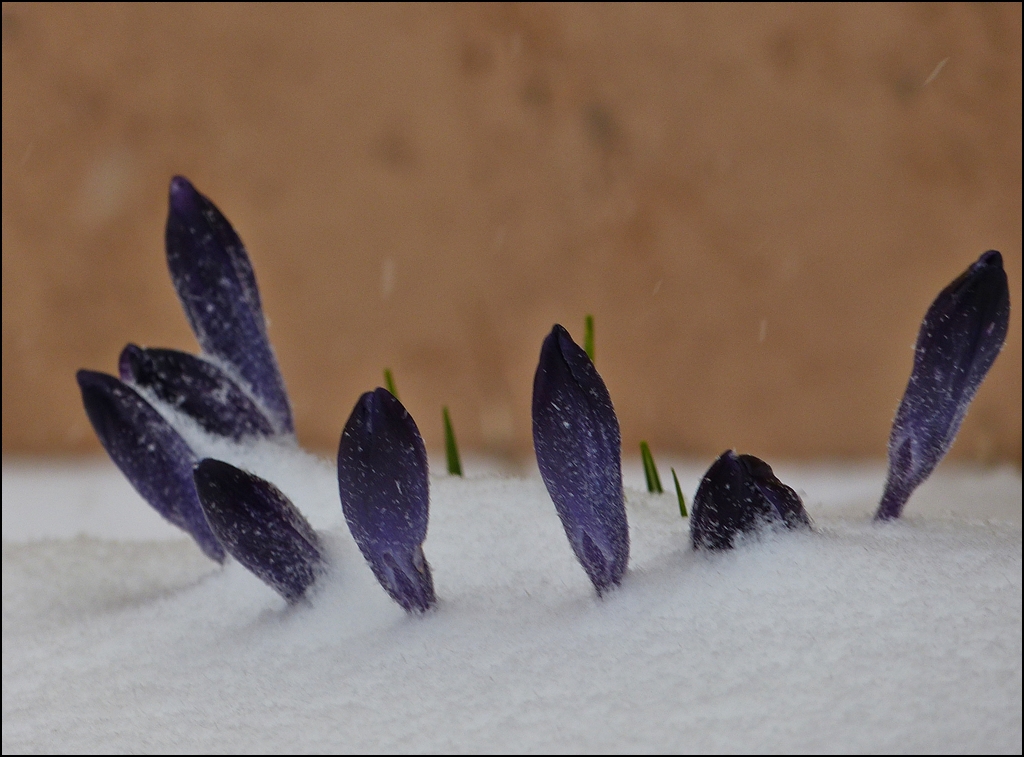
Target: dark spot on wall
x,y
12,26
602,127
536,91
395,151
783,50
476,58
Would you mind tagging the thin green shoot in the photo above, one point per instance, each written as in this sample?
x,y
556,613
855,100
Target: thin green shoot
x,y
679,494
389,383
650,470
588,336
451,448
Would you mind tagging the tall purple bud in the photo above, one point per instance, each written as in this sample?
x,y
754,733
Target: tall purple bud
x,y
960,337
217,288
197,388
151,454
579,453
260,528
385,496
738,495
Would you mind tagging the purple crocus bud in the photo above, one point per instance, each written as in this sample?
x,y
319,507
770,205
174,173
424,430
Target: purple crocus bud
x,y
217,288
151,454
960,337
740,494
385,495
197,388
579,453
260,528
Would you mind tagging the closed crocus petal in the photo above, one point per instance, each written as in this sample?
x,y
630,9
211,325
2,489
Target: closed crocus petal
x,y
385,494
740,494
217,288
960,337
260,527
151,454
576,439
786,505
197,388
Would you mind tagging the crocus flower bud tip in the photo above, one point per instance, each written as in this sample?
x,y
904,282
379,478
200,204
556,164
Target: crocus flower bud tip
x,y
260,527
216,285
198,388
960,337
151,454
576,439
740,495
384,489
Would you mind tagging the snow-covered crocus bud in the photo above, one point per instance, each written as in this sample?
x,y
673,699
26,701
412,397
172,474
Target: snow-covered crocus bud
x,y
217,288
579,453
385,495
151,454
960,337
197,388
740,494
260,527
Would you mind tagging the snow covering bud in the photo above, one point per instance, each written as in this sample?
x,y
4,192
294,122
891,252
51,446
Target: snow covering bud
x,y
217,288
385,495
960,337
196,387
151,454
260,527
576,439
740,494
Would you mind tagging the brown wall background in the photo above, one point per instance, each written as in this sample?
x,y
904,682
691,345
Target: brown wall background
x,y
757,203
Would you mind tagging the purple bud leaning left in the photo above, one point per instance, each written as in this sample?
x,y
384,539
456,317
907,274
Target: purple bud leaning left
x,y
385,496
151,454
216,284
197,388
579,453
260,527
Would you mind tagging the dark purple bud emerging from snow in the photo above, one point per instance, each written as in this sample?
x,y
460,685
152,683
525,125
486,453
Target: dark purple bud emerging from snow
x,y
151,454
579,453
197,388
960,337
740,494
385,495
260,528
217,288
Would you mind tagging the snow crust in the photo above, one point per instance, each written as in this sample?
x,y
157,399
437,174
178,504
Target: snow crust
x,y
119,635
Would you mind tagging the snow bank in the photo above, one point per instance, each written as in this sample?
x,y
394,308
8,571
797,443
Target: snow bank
x,y
120,636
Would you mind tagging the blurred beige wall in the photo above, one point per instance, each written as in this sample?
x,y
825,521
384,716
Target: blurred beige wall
x,y
758,203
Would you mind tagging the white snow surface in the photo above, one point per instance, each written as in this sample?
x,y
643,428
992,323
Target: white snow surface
x,y
119,635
